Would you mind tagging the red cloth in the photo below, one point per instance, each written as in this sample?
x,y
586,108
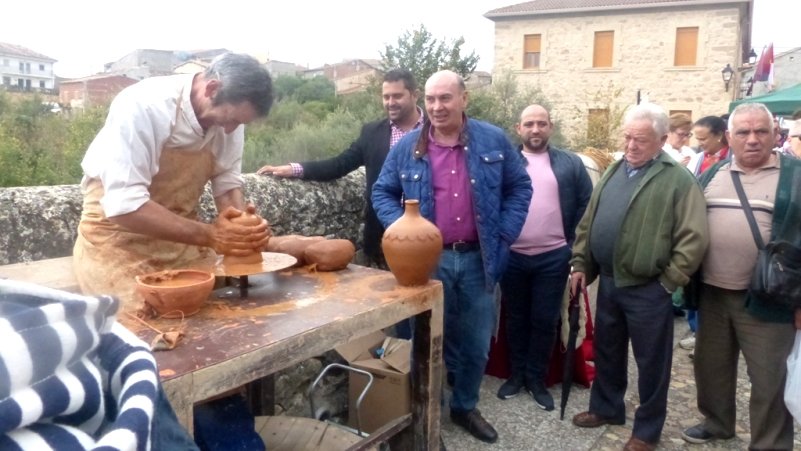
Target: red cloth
x,y
583,373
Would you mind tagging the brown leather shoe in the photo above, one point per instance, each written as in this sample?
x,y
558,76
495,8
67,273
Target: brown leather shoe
x,y
635,444
591,420
475,424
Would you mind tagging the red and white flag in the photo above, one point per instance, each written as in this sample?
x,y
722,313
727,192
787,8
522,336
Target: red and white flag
x,y
764,69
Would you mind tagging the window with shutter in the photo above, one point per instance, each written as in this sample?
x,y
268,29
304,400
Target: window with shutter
x,y
602,50
686,46
531,51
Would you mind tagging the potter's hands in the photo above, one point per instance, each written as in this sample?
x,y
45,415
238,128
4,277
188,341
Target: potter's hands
x,y
230,238
278,171
577,281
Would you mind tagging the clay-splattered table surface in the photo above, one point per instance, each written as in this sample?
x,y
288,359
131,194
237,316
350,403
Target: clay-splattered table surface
x,y
284,318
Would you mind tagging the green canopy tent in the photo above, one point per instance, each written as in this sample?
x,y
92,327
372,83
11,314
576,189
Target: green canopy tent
x,y
781,103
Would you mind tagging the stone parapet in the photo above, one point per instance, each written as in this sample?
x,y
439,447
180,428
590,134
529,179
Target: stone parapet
x,y
41,222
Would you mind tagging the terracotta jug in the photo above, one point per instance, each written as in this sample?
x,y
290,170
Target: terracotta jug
x,y
412,246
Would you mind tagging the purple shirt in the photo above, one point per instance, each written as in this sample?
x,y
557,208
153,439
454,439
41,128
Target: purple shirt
x,y
453,199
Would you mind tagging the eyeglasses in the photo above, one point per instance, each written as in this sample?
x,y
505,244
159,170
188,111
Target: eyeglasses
x,y
684,135
798,137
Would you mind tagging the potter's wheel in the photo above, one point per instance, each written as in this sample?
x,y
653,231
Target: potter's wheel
x,y
271,261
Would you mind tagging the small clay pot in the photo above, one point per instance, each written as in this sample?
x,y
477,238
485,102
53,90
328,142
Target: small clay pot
x,y
330,255
294,245
247,219
175,293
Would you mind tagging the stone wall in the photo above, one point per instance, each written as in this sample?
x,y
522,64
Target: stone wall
x,y
643,58
41,222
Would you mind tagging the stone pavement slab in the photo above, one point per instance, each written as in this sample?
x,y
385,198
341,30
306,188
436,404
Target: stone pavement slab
x,y
521,425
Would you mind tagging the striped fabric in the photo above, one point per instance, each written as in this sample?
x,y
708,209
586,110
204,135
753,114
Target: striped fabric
x,y
71,377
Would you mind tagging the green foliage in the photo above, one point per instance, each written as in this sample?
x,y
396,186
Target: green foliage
x,y
311,140
317,88
502,102
38,147
423,55
603,113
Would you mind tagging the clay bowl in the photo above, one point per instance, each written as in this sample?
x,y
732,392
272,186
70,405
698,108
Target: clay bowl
x,y
175,293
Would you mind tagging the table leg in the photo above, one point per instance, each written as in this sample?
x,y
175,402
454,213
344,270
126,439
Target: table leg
x,y
426,382
261,396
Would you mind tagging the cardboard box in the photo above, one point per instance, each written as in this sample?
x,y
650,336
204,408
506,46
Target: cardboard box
x,y
390,395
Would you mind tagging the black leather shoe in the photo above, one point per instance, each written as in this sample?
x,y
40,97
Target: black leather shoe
x,y
476,425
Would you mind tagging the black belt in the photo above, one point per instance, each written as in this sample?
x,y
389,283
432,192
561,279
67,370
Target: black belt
x,y
462,246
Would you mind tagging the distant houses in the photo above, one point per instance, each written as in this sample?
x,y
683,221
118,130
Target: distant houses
x,y
22,69
26,70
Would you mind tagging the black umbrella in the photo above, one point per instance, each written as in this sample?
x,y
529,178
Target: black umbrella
x,y
573,310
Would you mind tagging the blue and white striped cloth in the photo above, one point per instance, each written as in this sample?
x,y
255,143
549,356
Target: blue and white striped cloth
x,y
71,377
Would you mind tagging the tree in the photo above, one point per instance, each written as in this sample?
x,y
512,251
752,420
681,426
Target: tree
x,y
502,102
422,54
603,112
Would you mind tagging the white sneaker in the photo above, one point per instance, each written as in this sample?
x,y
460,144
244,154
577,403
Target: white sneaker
x,y
687,343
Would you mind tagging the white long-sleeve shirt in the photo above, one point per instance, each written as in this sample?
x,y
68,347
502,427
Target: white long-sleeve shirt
x,y
144,119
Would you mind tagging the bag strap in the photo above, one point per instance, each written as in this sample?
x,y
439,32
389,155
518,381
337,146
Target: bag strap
x,y
749,213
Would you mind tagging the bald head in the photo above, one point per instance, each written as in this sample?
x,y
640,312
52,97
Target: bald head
x,y
535,129
445,77
535,109
446,100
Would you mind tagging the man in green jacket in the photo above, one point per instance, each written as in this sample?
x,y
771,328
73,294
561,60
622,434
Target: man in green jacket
x,y
644,233
730,321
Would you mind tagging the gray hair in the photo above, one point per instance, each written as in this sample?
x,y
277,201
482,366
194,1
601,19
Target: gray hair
x,y
750,107
652,112
243,79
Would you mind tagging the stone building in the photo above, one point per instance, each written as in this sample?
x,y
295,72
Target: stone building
x,y
581,52
786,73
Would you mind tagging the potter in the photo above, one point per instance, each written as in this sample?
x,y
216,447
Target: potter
x,y
163,140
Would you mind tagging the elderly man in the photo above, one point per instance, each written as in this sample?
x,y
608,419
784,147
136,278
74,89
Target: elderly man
x,y
534,282
472,184
644,233
730,320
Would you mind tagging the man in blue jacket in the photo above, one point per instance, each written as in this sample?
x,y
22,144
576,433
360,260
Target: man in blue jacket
x,y
472,184
534,282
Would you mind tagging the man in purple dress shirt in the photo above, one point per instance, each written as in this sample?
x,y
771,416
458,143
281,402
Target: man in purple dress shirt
x,y
472,184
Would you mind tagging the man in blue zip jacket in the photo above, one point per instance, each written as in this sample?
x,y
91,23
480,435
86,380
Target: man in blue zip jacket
x,y
472,184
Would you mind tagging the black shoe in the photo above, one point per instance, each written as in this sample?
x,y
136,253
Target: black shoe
x,y
475,424
542,398
698,435
510,388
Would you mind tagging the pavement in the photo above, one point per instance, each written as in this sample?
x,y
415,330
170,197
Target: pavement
x,y
521,425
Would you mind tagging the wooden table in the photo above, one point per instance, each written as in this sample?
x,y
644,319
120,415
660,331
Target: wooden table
x,y
284,319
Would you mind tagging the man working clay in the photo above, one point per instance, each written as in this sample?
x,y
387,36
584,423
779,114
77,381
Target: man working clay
x,y
144,173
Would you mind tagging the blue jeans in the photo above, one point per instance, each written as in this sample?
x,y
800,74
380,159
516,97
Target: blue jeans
x,y
469,322
533,287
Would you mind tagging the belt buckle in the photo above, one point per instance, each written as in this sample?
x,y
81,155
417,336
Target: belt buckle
x,y
459,246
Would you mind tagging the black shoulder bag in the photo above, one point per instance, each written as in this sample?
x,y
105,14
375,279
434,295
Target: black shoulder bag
x,y
777,274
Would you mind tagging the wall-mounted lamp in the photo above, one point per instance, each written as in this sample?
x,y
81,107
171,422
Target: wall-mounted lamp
x,y
727,73
752,57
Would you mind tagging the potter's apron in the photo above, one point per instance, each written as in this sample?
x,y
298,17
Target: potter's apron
x,y
107,256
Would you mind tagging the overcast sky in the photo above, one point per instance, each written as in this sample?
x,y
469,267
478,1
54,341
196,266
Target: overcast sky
x,y
84,34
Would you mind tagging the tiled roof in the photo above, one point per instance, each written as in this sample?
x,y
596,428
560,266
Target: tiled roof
x,y
18,50
561,6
